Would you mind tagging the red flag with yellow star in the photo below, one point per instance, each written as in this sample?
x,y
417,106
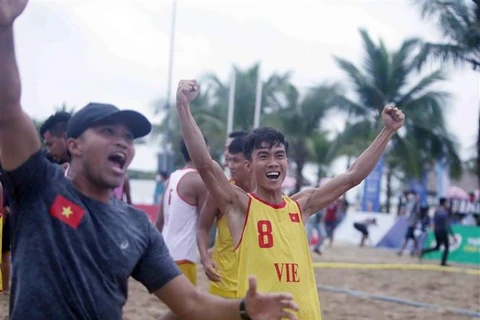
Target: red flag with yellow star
x,y
67,211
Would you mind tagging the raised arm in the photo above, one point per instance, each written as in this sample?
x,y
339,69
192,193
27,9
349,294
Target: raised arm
x,y
188,303
226,197
205,222
314,200
18,137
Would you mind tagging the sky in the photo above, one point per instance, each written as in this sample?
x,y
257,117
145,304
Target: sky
x,y
118,51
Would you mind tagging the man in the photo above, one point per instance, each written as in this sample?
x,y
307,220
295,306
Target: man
x,y
54,134
266,226
362,227
221,267
442,229
183,197
412,221
232,135
75,247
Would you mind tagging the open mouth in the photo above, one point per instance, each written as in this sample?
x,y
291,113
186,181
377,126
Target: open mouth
x,y
118,159
273,175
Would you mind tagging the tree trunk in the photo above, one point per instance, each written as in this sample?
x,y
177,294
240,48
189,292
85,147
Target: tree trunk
x,y
389,190
299,176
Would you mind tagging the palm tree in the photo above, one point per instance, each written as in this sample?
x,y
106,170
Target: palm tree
x,y
386,76
460,25
210,107
300,120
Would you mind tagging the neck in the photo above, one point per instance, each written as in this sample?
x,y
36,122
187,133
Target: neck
x,y
86,187
247,185
270,196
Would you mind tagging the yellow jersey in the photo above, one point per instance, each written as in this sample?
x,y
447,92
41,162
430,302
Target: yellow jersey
x,y
274,248
225,260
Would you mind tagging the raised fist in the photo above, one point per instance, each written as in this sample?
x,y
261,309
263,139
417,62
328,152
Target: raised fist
x,y
392,117
10,10
187,91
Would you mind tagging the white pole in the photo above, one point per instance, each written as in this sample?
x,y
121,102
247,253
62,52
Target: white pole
x,y
231,101
170,70
258,101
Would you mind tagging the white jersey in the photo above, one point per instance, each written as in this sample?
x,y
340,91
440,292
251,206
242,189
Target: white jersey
x,y
180,221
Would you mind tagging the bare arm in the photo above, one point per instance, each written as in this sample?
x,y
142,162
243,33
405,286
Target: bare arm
x,y
15,148
126,190
212,174
188,303
160,218
206,220
314,200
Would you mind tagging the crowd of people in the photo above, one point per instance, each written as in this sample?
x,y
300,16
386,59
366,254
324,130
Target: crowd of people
x,y
77,239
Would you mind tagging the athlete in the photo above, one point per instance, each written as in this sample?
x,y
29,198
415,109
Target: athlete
x,y
74,246
183,197
221,268
266,226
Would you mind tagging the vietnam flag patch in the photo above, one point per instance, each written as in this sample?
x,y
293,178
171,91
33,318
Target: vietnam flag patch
x,y
67,211
294,217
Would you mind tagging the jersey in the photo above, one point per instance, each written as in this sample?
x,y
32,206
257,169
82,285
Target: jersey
x,y
274,248
180,221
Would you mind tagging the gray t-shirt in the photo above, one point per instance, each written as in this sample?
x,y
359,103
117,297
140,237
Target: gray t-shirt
x,y
72,255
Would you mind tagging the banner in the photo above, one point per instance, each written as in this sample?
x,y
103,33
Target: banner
x,y
466,250
442,171
420,187
371,188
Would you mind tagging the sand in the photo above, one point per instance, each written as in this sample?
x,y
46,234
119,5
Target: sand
x,y
450,290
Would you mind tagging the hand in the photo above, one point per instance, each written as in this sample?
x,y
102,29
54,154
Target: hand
x,y
211,271
187,91
268,306
10,10
392,117
454,240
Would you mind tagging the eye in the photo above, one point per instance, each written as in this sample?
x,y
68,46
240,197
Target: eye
x,y
128,136
107,130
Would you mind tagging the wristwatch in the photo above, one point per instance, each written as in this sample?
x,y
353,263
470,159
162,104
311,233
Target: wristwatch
x,y
243,311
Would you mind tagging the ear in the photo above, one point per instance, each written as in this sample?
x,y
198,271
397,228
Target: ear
x,y
74,146
248,165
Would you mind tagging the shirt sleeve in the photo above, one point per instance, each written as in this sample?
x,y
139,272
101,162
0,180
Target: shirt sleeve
x,y
29,179
156,267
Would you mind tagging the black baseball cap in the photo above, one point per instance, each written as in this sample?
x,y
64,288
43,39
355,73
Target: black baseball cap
x,y
97,113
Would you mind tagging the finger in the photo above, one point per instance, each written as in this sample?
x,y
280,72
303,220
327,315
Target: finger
x,y
283,296
287,315
252,285
289,304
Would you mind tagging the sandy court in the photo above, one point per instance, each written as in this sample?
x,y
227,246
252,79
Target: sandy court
x,y
451,290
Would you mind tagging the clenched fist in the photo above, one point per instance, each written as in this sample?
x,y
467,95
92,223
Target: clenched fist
x,y
392,117
10,10
187,91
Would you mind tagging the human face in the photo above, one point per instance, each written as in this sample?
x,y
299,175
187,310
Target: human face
x,y
105,152
56,146
270,166
239,168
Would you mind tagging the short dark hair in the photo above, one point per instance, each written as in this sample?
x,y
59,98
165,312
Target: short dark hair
x,y
237,145
183,149
237,133
272,137
56,124
442,201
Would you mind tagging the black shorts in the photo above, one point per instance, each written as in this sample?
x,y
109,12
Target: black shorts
x,y
410,233
361,227
6,233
